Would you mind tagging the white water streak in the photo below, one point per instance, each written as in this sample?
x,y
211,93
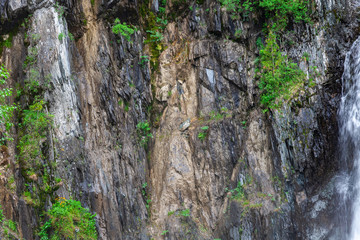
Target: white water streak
x,y
349,115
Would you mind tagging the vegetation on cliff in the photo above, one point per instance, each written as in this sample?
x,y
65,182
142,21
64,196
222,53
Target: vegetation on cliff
x,y
123,29
68,220
6,108
280,77
279,12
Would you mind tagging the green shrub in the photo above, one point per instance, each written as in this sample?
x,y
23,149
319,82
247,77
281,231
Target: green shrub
x,y
59,9
280,78
32,85
143,191
185,213
8,227
7,43
61,37
31,58
217,116
202,134
283,9
163,22
123,29
238,192
35,37
28,198
34,126
155,36
147,204
71,36
6,109
143,60
278,11
143,130
68,220
244,124
126,106
2,217
238,33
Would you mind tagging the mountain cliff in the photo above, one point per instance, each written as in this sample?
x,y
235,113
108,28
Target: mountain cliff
x,y
154,116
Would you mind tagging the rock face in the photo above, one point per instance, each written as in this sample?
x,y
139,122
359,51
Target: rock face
x,y
201,96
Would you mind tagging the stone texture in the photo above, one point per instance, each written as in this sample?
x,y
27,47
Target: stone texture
x,y
285,160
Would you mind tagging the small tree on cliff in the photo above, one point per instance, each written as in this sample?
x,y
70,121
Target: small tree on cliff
x,y
281,79
6,109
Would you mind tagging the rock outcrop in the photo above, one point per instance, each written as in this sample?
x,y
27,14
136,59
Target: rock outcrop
x,y
201,97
